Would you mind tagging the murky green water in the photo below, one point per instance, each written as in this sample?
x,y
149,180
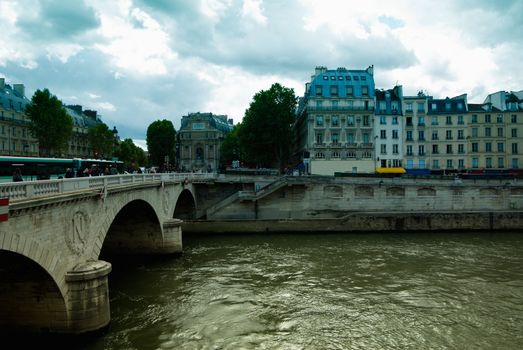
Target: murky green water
x,y
335,291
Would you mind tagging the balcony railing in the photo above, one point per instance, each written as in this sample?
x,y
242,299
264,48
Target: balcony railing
x,y
339,108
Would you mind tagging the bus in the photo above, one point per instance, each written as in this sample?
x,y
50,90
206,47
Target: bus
x,y
40,168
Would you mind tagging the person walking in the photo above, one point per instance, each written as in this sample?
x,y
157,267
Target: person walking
x,y
17,175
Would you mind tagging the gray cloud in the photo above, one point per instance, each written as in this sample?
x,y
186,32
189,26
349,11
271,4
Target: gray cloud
x,y
58,20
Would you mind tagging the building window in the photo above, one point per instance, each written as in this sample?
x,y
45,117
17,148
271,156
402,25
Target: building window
x,y
449,149
395,134
514,132
514,148
421,150
487,118
499,118
449,135
319,120
366,138
319,138
421,135
435,149
366,120
513,118
409,135
474,119
501,162
409,150
364,90
335,120
474,147
421,121
395,148
319,90
350,138
488,147
460,120
488,162
335,138
461,134
474,132
447,106
460,106
461,163
383,134
487,132
501,147
435,164
515,163
383,149
434,121
350,90
461,148
394,120
500,132
334,90
449,120
449,164
383,120
475,163
325,77
421,107
408,107
350,120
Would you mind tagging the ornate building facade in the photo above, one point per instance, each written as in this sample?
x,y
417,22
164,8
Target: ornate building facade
x,y
15,137
199,140
335,122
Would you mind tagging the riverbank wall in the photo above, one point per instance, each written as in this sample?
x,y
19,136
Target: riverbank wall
x,y
323,204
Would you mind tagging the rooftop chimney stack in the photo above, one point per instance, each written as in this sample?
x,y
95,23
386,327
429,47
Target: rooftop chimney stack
x,y
20,89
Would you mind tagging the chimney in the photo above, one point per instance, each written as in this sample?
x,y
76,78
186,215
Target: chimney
x,y
2,83
90,113
20,89
231,121
370,70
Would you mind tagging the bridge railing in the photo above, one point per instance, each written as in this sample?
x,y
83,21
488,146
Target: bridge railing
x,y
32,189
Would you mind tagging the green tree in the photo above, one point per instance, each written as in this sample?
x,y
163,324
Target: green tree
x,y
161,139
50,123
265,135
102,140
132,155
230,149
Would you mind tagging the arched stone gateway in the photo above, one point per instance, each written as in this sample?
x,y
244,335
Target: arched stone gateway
x,y
51,275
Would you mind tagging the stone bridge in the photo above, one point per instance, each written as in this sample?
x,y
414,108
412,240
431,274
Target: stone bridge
x,y
51,241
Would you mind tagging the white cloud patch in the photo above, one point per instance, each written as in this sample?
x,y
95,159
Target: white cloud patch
x,y
252,9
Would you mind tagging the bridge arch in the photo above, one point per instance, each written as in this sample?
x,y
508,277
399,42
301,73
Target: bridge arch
x,y
33,300
135,229
185,208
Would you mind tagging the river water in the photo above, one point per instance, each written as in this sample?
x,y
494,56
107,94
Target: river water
x,y
332,291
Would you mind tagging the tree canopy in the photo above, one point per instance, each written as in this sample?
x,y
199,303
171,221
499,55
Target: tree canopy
x,y
102,141
265,135
230,148
161,140
132,155
50,123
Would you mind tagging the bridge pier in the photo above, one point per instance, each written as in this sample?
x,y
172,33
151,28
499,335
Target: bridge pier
x,y
88,297
172,236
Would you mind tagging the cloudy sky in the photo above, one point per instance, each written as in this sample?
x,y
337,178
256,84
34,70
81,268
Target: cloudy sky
x,y
137,61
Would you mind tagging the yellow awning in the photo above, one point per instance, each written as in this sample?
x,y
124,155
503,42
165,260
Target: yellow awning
x,y
391,170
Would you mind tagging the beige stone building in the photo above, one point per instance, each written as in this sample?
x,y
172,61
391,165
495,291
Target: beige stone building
x,y
199,140
15,137
446,133
415,140
79,144
496,131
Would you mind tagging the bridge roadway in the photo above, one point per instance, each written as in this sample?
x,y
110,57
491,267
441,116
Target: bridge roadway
x,y
52,277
